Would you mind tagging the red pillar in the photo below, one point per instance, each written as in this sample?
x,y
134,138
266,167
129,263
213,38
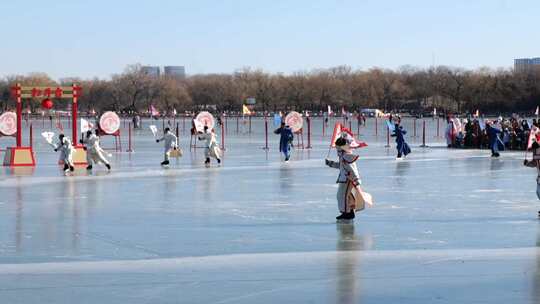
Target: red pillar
x,y
31,138
265,133
308,133
74,111
129,138
424,134
19,118
387,137
222,136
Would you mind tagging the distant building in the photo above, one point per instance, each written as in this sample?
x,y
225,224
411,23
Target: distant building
x,y
522,65
175,71
151,70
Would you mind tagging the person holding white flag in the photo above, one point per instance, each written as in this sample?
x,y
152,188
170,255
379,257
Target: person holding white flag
x,y
170,143
66,152
350,196
211,147
94,152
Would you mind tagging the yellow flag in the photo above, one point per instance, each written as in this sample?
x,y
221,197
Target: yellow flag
x,y
245,110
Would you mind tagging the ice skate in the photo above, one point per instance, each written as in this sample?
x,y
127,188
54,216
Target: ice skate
x,y
342,216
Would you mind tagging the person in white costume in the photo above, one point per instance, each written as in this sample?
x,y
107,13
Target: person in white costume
x,y
94,152
211,147
170,142
348,178
66,152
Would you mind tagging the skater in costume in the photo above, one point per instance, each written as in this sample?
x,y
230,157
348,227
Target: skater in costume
x,y
211,147
66,152
94,152
285,140
347,180
493,137
402,147
170,142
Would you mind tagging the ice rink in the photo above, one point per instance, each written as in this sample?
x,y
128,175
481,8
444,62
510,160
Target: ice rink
x,y
448,226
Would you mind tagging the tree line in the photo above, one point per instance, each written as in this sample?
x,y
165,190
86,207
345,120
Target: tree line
x,y
408,88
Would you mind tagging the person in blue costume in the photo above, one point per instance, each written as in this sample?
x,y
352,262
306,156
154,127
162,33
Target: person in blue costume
x,y
285,140
402,147
493,137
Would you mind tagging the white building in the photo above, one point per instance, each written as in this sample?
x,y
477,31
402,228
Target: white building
x,y
175,71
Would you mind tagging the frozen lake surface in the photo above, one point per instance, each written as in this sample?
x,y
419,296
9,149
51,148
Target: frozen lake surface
x,y
448,226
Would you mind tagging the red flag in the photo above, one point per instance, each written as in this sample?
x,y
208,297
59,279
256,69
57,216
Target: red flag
x,y
534,134
355,143
153,111
339,130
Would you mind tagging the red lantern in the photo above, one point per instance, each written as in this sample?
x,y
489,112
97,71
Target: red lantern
x,y
47,103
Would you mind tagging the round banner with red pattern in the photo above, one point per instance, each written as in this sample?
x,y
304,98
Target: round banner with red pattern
x,y
109,122
295,121
204,118
8,123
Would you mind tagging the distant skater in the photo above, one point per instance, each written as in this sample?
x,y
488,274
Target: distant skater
x,y
493,139
66,152
285,140
535,163
402,147
348,179
211,147
170,143
94,152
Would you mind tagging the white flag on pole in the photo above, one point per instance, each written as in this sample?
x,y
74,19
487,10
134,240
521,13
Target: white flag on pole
x,y
48,136
86,125
153,128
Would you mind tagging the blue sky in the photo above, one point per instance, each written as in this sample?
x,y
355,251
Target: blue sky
x,y
99,38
